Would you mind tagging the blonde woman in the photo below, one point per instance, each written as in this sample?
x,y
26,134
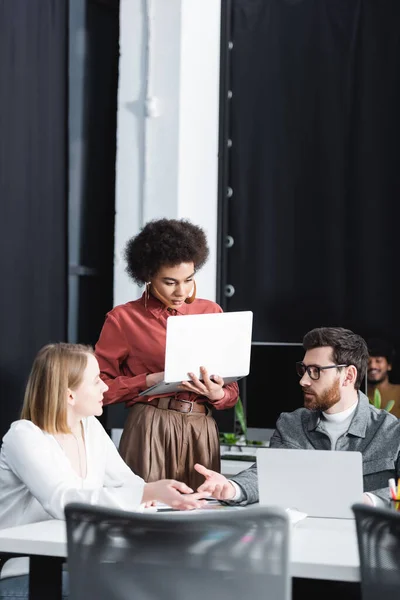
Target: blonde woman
x,y
59,452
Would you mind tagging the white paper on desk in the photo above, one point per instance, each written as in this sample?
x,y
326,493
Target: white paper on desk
x,y
295,515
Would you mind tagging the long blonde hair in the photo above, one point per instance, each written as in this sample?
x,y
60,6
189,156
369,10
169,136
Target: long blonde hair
x,y
56,368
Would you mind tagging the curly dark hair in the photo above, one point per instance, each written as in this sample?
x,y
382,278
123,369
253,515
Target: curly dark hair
x,y
164,242
382,347
347,348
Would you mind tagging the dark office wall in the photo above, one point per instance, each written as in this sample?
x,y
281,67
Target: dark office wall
x,y
39,217
97,244
33,188
94,59
314,121
93,119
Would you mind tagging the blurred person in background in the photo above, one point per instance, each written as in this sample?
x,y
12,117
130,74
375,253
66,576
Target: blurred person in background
x,y
380,363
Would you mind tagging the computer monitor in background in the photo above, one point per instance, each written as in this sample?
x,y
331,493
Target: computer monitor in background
x,y
272,386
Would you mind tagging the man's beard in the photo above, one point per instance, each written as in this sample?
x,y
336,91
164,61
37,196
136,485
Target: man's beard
x,y
324,401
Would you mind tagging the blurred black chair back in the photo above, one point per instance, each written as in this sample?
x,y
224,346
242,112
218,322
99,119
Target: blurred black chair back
x,y
224,554
378,535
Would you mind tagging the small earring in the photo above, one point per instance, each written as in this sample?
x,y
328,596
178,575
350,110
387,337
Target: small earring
x,y
147,293
192,298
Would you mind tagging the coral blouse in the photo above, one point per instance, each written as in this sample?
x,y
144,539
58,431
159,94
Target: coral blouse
x,y
132,345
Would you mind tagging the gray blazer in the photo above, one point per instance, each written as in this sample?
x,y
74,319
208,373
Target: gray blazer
x,y
375,433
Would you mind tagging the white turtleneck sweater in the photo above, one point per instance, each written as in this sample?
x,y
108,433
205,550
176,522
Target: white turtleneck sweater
x,y
337,424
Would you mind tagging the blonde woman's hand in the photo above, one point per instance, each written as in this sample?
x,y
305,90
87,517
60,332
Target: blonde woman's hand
x,y
150,503
173,493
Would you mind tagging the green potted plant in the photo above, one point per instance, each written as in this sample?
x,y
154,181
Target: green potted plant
x,y
240,433
377,401
231,439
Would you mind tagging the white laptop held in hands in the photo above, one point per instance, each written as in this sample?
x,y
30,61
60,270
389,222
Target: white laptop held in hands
x,y
220,342
321,483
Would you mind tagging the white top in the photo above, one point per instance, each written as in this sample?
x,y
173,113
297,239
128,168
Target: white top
x,y
37,479
337,424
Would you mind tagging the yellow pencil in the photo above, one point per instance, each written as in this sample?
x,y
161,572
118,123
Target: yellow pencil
x,y
397,505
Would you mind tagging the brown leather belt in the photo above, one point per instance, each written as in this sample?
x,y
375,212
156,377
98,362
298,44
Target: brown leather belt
x,y
182,406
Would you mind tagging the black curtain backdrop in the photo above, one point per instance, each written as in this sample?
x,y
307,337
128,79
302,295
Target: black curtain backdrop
x,y
314,166
97,193
33,188
97,202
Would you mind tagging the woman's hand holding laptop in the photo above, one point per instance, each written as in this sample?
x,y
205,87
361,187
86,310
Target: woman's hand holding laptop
x,y
154,378
210,387
216,485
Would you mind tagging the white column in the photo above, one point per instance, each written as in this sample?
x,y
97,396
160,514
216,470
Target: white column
x,y
198,126
167,140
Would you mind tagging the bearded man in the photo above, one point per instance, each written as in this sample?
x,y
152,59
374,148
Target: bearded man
x,y
336,416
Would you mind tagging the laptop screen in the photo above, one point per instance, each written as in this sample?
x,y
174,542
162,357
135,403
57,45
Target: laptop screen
x,y
321,483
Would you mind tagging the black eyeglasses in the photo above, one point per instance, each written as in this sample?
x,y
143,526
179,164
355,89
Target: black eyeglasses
x,y
314,371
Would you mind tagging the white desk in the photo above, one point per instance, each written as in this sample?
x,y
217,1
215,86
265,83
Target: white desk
x,y
325,549
45,544
47,538
320,548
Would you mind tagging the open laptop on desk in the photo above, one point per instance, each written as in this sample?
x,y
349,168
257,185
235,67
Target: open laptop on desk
x,y
221,342
321,483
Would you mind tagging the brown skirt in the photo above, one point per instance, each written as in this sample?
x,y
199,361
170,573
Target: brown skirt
x,y
165,444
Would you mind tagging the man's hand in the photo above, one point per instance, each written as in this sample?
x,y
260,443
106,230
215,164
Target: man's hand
x,y
154,378
174,493
215,484
210,388
367,500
